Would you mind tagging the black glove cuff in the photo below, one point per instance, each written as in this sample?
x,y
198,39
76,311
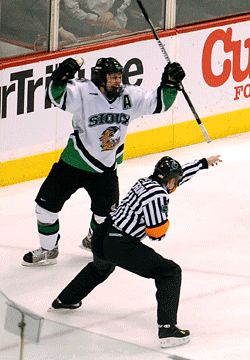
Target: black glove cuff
x,y
66,70
204,163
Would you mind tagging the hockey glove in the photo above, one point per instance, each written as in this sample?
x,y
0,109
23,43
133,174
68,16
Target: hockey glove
x,y
66,70
172,75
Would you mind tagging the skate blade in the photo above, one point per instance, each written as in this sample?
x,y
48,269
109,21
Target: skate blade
x,y
172,342
85,248
40,263
62,310
51,309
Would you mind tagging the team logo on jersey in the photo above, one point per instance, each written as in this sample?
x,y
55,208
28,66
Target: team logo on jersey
x,y
109,118
110,138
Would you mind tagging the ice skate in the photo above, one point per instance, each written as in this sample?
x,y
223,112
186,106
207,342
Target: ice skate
x,y
172,336
86,242
41,257
58,305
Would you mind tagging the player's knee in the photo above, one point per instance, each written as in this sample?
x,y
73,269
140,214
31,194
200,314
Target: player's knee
x,y
45,216
102,267
175,269
171,270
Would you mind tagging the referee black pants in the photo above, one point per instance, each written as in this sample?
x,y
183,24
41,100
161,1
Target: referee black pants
x,y
112,248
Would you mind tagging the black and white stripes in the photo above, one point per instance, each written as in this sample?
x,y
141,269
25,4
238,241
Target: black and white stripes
x,y
190,169
146,204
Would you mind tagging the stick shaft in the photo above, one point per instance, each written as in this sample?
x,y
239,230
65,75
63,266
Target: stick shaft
x,y
165,54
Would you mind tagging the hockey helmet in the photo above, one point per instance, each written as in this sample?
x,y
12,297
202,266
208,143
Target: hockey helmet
x,y
168,168
103,67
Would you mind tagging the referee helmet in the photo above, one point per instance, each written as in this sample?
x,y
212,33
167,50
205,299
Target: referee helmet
x,y
168,168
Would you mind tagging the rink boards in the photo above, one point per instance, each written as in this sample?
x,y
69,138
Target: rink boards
x,y
217,65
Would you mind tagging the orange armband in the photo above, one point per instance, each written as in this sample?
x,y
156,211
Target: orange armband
x,y
158,231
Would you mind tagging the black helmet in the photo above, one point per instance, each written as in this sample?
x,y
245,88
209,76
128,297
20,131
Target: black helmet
x,y
168,168
103,67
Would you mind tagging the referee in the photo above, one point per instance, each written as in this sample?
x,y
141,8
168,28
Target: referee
x,y
117,242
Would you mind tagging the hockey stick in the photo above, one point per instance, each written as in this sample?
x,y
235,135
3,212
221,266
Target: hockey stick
x,y
165,54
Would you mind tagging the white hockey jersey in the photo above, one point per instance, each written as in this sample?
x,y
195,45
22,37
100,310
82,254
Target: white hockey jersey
x,y
100,126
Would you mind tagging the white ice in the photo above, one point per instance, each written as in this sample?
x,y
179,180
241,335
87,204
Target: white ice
x,y
209,237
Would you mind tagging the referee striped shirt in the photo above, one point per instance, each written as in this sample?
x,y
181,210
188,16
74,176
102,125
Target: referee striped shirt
x,y
146,204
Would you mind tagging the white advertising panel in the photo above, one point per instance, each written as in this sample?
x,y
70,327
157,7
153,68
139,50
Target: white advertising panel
x,y
217,65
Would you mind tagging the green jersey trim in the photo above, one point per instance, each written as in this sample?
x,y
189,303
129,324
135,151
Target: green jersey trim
x,y
119,159
58,91
168,97
71,156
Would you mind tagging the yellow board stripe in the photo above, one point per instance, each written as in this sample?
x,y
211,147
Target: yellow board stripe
x,y
27,168
137,144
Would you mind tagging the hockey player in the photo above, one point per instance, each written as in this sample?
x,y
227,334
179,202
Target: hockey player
x,y
117,242
102,110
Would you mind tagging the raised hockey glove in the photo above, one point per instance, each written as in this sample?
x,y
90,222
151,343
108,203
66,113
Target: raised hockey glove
x,y
66,70
172,75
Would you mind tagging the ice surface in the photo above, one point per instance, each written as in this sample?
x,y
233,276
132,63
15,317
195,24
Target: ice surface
x,y
209,236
